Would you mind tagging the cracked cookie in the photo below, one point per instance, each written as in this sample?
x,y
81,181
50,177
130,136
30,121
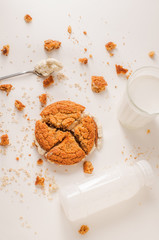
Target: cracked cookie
x,y
65,134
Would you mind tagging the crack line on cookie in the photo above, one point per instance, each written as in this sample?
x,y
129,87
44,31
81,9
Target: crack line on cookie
x,y
63,130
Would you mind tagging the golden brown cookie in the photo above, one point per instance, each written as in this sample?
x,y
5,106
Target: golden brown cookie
x,y
65,135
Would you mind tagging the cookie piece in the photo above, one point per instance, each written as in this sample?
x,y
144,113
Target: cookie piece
x,y
40,181
62,114
86,133
68,152
83,229
120,69
47,137
50,44
98,84
88,167
20,106
43,99
6,88
4,140
48,81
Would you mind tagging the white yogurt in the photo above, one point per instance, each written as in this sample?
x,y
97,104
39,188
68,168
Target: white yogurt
x,y
48,66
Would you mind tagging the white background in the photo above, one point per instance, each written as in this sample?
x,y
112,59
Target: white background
x,y
133,26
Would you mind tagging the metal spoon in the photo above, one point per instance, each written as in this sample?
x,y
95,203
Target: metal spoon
x,y
20,73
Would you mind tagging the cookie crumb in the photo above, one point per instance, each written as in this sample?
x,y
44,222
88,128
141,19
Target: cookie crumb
x,y
69,29
4,140
85,49
151,54
83,60
98,84
90,55
17,158
84,32
120,69
129,74
5,50
27,18
39,161
43,99
88,167
148,131
110,46
84,229
48,81
6,88
40,181
20,106
51,44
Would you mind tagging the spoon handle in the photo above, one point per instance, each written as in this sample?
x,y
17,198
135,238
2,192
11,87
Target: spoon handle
x,y
16,74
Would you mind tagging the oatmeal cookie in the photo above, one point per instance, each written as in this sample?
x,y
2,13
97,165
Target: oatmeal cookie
x,y
65,135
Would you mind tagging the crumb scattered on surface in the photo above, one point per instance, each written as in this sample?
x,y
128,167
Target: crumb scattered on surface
x,y
148,131
151,54
43,99
17,158
6,88
88,167
129,74
120,69
110,46
69,29
85,49
51,44
84,229
40,181
27,18
98,84
4,140
19,105
90,55
84,32
39,161
5,50
48,81
83,60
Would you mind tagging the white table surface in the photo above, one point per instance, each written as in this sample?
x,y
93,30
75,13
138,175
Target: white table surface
x,y
133,23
